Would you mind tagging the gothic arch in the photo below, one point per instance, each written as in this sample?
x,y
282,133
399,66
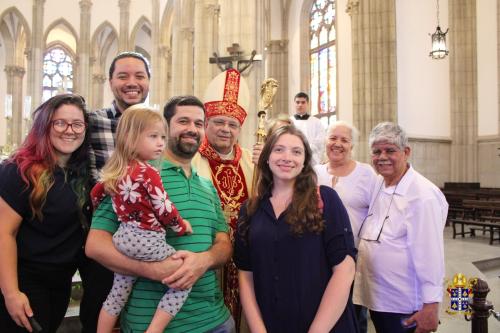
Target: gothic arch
x,y
16,35
63,46
166,24
64,23
142,23
102,40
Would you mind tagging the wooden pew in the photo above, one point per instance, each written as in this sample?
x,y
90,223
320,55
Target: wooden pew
x,y
478,208
491,227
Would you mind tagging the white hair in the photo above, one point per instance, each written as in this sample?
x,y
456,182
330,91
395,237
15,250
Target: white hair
x,y
351,128
390,133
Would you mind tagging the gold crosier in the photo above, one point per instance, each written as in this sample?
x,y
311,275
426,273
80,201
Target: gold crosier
x,y
268,89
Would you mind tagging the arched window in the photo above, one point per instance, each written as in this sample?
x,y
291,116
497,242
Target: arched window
x,y
323,57
57,72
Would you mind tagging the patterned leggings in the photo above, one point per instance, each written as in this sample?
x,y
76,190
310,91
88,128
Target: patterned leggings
x,y
145,245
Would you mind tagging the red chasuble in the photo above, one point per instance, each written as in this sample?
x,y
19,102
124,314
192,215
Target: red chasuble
x,y
229,180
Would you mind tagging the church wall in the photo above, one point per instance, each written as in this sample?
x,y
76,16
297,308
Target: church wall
x,y
423,83
276,17
431,157
68,10
344,63
137,10
489,166
487,76
101,12
294,62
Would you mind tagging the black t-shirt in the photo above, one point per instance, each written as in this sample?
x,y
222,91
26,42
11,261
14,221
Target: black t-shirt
x,y
59,237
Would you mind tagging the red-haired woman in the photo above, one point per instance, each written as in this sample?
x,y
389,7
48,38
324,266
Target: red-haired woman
x,y
43,188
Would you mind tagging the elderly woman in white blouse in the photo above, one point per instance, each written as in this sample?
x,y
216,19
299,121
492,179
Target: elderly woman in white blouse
x,y
352,180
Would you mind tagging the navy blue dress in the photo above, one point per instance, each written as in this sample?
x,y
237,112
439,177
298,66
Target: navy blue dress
x,y
291,273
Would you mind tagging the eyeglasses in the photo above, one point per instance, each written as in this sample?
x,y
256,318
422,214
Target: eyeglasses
x,y
61,126
221,123
370,215
378,234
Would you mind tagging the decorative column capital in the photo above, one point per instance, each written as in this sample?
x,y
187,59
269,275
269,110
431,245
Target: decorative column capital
x,y
279,45
186,33
213,9
99,78
352,7
124,4
14,71
85,5
38,3
28,52
164,51
92,60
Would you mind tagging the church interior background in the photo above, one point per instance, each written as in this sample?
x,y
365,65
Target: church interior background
x,y
362,61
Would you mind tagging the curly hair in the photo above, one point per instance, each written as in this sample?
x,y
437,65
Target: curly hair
x,y
302,214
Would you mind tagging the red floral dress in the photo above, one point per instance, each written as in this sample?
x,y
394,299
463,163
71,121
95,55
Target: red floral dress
x,y
142,200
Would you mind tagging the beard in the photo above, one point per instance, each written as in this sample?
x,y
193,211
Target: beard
x,y
184,149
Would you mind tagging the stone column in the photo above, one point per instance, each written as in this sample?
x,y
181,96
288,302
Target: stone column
x,y
98,81
182,48
35,55
163,68
157,76
242,22
373,66
463,90
167,54
15,88
277,68
123,38
206,14
83,50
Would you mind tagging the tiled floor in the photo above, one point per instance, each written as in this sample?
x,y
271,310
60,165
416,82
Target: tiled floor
x,y
460,254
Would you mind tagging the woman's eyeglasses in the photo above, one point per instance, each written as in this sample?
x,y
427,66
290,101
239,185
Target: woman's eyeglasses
x,y
61,126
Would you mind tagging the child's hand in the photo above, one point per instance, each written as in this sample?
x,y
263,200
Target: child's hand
x,y
189,229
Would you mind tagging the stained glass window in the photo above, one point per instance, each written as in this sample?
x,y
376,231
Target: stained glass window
x,y
323,59
57,73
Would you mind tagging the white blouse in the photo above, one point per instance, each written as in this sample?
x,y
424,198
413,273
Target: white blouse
x,y
354,190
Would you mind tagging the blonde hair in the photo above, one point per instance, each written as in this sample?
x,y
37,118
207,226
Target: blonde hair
x,y
132,123
281,120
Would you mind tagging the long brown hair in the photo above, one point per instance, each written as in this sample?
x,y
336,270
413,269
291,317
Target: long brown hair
x,y
303,214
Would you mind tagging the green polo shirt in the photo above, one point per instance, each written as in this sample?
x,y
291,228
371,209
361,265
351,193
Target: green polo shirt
x,y
197,201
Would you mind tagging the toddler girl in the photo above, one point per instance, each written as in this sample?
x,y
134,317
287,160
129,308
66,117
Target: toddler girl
x,y
143,208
